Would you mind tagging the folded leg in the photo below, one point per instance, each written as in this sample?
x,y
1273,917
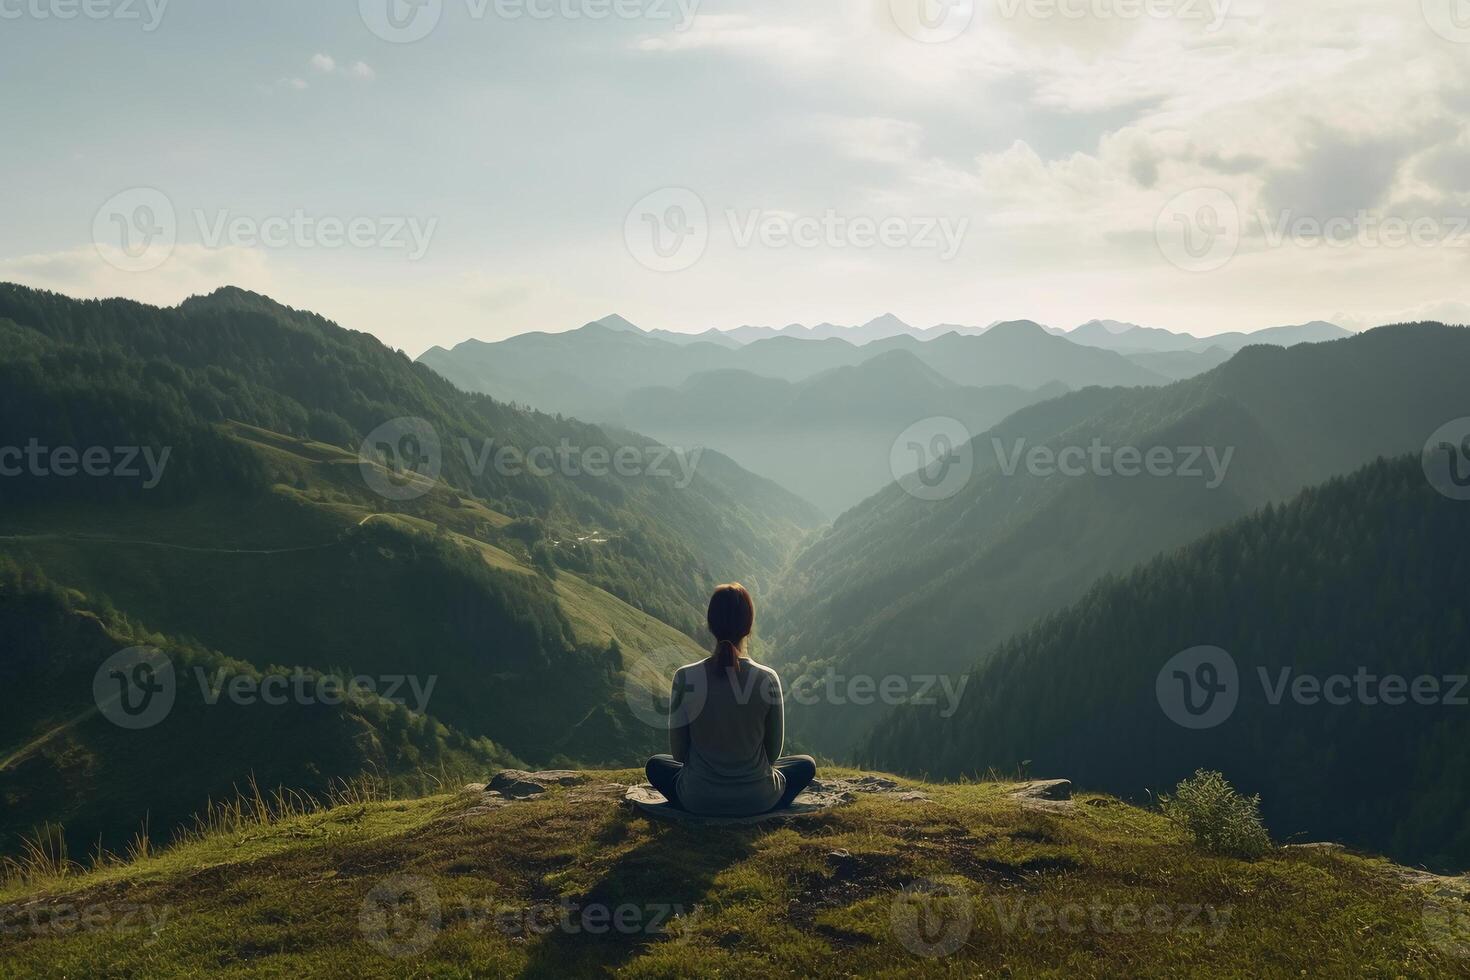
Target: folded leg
x,y
799,771
663,774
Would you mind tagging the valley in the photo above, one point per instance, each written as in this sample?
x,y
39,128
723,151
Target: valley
x,y
475,551
770,399
285,555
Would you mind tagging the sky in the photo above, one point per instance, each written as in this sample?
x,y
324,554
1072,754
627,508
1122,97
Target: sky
x,y
434,170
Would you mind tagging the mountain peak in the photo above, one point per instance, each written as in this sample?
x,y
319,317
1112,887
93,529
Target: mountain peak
x,y
616,322
1016,329
1113,327
235,298
885,320
896,365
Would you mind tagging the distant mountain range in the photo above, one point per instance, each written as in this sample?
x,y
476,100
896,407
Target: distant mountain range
x,y
1129,337
774,403
879,328
770,398
588,372
1110,334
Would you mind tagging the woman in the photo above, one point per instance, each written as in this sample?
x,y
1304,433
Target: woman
x,y
727,721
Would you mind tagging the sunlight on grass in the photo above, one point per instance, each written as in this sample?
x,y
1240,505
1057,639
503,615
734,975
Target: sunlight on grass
x,y
571,883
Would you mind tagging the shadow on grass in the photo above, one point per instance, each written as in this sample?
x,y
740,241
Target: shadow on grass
x,y
646,897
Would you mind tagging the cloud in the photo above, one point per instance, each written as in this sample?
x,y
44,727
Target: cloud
x,y
1446,168
792,41
324,64
873,138
285,83
1337,176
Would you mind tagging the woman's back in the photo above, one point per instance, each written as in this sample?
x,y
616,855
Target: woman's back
x,y
732,729
726,724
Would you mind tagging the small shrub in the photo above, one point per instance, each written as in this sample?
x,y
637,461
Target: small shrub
x,y
1221,820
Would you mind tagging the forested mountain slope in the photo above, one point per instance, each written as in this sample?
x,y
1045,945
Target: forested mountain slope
x,y
1363,576
248,507
64,761
117,372
907,585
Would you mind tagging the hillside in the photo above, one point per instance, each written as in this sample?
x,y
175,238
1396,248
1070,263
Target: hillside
x,y
115,372
270,531
568,883
465,632
1180,364
65,761
1362,575
914,586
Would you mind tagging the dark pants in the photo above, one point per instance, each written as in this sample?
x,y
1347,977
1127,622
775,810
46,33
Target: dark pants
x,y
799,770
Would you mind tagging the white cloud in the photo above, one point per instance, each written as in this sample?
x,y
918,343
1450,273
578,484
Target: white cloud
x,y
791,41
875,138
324,64
293,83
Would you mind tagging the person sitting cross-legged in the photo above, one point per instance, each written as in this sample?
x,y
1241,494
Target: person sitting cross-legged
x,y
726,726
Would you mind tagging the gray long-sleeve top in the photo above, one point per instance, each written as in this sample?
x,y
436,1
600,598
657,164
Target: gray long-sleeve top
x,y
727,727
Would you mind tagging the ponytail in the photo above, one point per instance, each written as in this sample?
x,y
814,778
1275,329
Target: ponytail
x,y
727,654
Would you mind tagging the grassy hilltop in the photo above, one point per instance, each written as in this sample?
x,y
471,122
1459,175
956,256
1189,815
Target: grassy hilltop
x,y
570,883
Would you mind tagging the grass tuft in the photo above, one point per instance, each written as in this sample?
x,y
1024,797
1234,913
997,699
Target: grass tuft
x,y
43,857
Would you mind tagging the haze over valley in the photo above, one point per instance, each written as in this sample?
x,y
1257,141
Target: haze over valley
x,y
772,399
